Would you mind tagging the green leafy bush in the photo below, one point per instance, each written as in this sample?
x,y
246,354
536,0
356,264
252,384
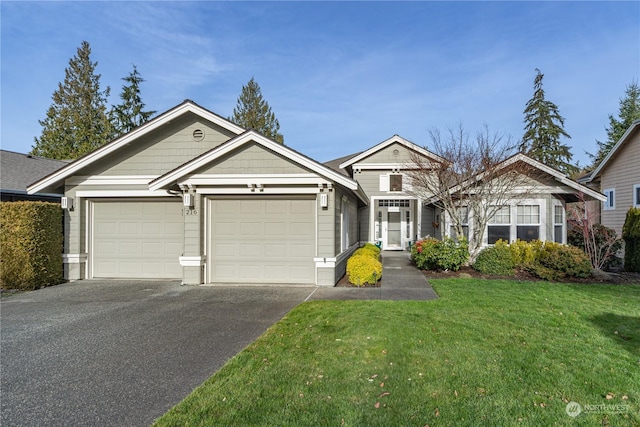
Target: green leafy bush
x,y
363,269
372,247
524,253
30,245
496,260
367,251
434,254
563,261
631,236
425,253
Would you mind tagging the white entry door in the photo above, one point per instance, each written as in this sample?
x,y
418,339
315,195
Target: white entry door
x,y
394,230
393,225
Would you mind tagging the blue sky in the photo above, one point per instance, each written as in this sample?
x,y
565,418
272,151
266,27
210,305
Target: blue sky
x,y
340,76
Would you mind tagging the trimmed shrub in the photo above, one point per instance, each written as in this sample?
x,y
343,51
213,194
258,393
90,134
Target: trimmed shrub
x,y
562,261
367,251
30,245
372,247
524,253
425,253
496,260
434,254
452,254
363,269
631,236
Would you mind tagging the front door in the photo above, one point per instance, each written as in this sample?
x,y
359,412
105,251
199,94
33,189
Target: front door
x,y
394,230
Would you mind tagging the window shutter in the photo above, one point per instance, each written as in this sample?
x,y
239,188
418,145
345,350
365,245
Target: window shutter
x,y
384,182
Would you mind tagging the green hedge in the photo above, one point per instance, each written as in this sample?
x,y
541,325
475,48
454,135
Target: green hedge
x,y
434,254
30,245
547,260
631,236
496,260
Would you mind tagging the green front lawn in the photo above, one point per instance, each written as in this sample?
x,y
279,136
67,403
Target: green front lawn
x,y
488,352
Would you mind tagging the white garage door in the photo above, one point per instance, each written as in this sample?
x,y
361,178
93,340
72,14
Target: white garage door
x,y
262,241
137,239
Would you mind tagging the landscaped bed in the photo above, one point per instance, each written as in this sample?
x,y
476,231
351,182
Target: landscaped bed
x,y
488,352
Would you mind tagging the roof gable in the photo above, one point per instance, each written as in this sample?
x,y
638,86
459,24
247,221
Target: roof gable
x,y
551,172
187,107
251,158
250,138
635,127
396,139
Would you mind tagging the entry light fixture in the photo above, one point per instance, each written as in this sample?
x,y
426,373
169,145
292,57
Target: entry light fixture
x,y
324,200
187,200
66,203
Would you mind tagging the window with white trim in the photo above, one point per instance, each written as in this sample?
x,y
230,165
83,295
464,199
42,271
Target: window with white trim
x,y
558,223
499,226
395,182
528,222
378,235
636,196
463,215
345,223
610,203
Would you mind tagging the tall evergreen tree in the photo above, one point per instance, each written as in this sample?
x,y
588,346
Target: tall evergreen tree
x,y
130,112
628,112
77,122
544,126
253,112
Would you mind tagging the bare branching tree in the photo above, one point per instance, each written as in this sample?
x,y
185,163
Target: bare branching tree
x,y
600,243
481,174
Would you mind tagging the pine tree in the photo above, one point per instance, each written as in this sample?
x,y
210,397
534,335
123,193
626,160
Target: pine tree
x,y
253,112
77,122
129,113
544,126
628,112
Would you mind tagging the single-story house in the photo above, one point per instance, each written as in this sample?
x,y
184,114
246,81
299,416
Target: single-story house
x,y
18,170
618,178
191,196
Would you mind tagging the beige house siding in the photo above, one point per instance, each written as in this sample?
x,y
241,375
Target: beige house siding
x,y
164,149
621,173
364,218
252,159
388,155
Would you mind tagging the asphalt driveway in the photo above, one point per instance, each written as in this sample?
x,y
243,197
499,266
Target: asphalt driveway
x,y
121,353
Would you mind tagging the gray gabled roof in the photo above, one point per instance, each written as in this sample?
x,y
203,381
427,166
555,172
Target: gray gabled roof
x,y
18,170
335,163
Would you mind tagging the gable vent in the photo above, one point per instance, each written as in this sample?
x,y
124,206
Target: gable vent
x,y
198,135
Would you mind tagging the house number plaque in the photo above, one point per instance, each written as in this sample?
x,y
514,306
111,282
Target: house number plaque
x,y
188,211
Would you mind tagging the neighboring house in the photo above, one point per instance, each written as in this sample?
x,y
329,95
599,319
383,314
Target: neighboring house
x,y
618,178
191,196
18,170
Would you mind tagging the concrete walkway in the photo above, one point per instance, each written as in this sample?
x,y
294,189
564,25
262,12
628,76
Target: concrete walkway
x,y
401,280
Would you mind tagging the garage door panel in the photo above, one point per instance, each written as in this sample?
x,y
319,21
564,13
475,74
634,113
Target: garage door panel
x,y
262,241
273,229
137,239
251,229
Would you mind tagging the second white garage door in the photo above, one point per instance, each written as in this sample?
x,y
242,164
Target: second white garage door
x,y
137,239
266,241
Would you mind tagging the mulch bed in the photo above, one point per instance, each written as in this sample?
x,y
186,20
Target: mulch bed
x,y
616,278
345,283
